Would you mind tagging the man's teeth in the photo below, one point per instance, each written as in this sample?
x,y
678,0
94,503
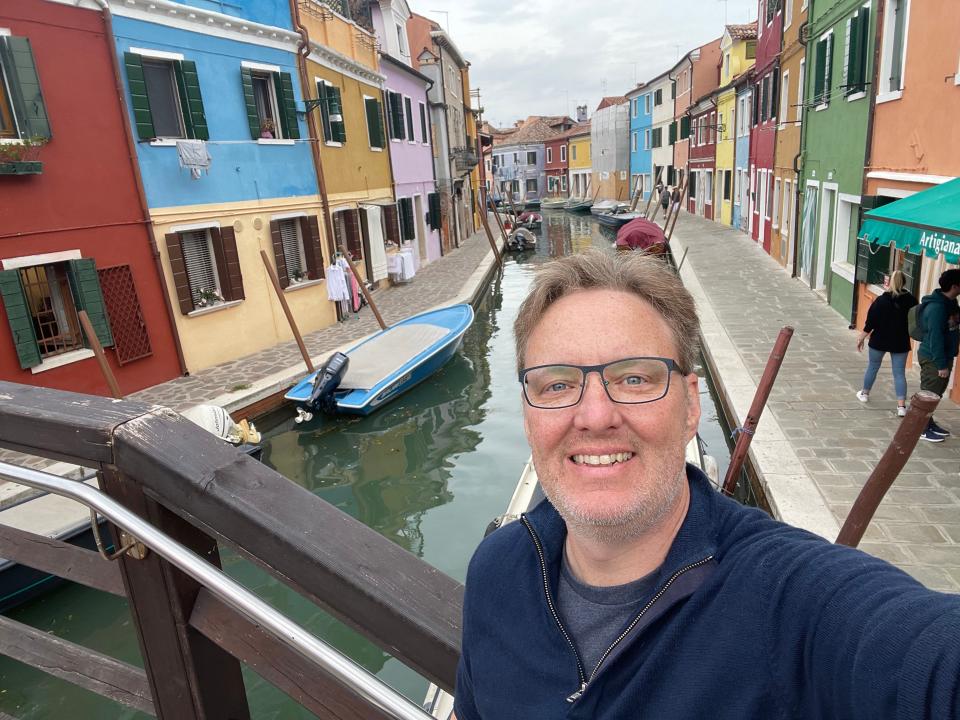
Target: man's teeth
x,y
602,459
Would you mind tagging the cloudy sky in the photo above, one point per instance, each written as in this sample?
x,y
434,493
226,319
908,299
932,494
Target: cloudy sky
x,y
544,57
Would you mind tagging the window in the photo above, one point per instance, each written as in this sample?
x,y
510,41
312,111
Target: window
x,y
727,177
673,90
658,97
785,99
531,186
646,140
331,113
408,230
296,247
787,215
268,98
787,13
894,46
23,113
635,107
408,108
769,181
205,267
726,65
800,91
563,183
855,52
773,7
824,70
531,158
657,137
165,96
423,124
516,158
751,49
633,141
397,123
549,155
776,202
375,131
402,40
42,304
563,153
646,103
737,186
708,187
573,152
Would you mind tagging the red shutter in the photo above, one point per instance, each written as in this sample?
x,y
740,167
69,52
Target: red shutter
x,y
392,223
179,271
354,243
278,255
310,232
231,263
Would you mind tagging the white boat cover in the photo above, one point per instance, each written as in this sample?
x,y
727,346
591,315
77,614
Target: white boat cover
x,y
376,360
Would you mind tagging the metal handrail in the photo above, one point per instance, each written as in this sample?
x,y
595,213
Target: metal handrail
x,y
365,684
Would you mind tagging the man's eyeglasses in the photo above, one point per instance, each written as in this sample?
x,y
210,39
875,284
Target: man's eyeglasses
x,y
630,381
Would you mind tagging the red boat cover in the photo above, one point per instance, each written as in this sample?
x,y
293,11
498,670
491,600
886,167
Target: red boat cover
x,y
640,234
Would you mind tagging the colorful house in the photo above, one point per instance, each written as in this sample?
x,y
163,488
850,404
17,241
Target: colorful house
x,y
913,148
557,166
742,197
661,90
737,54
521,159
609,134
701,164
417,208
581,162
641,157
696,75
838,76
74,234
763,136
790,116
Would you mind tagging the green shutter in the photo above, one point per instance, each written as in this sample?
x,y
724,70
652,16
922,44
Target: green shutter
x,y
87,295
863,45
337,127
374,122
249,102
288,106
673,133
20,319
820,72
25,93
191,101
324,110
142,117
684,127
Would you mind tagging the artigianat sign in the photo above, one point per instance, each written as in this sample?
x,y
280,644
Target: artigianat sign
x,y
939,243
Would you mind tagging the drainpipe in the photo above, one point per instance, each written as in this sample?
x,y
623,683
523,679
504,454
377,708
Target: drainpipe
x,y
868,151
138,181
800,190
303,50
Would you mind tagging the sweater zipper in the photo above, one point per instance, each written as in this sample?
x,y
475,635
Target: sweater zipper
x,y
584,681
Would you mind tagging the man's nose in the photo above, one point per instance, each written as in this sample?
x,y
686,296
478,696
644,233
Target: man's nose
x,y
596,410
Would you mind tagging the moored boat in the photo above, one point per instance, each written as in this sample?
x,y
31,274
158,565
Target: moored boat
x,y
578,205
618,219
608,206
553,203
383,366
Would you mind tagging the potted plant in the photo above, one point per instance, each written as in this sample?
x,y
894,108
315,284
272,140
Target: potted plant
x,y
208,298
20,157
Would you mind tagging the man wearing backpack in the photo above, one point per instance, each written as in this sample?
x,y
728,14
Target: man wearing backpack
x,y
940,317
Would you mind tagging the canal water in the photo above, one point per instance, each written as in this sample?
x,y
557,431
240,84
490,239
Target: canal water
x,y
429,471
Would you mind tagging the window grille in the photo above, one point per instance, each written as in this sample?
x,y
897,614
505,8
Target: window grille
x,y
201,270
55,319
131,340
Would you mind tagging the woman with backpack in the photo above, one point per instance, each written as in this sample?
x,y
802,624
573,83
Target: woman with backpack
x,y
886,326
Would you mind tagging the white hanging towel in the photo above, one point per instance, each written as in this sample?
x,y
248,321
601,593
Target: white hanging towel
x,y
407,266
378,253
337,289
194,156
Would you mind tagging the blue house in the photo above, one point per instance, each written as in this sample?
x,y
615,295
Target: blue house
x,y
216,106
641,155
741,157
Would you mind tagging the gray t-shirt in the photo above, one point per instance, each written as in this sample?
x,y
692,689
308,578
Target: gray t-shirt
x,y
595,616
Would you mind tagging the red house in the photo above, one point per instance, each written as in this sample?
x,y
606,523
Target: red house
x,y
74,231
556,166
702,157
763,133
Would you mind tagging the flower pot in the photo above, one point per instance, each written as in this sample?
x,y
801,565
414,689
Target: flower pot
x,y
21,167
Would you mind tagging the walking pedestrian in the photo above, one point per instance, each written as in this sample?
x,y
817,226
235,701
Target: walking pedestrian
x,y
675,198
939,315
886,326
665,198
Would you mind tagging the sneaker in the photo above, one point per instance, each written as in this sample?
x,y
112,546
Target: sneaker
x,y
934,428
901,411
862,396
931,436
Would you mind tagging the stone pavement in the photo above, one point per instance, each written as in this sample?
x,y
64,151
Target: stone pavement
x,y
815,435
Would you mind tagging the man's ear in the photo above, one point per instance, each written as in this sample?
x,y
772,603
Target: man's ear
x,y
692,385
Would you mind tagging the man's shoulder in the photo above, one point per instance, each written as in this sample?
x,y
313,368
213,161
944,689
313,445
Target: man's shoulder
x,y
500,549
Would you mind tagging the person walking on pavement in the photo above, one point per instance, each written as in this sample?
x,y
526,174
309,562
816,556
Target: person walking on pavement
x,y
939,315
886,326
665,198
675,198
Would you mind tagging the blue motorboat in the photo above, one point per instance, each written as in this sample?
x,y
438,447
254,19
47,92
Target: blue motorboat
x,y
383,366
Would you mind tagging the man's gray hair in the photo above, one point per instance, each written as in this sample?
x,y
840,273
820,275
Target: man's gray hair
x,y
646,276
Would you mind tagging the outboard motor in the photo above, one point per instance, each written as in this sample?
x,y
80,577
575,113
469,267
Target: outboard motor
x,y
327,381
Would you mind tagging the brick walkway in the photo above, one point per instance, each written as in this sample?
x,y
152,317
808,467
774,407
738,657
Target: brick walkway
x,y
836,439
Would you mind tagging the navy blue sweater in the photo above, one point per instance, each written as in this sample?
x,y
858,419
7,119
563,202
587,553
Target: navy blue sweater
x,y
749,618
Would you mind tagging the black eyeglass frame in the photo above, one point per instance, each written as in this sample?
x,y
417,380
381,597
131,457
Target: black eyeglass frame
x,y
672,367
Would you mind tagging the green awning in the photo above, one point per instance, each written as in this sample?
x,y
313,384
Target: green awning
x,y
926,223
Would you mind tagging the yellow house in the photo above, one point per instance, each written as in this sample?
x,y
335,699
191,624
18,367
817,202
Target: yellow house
x,y
737,53
345,90
579,161
470,121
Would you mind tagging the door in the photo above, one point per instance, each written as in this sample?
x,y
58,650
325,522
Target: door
x,y
762,204
810,197
825,241
421,228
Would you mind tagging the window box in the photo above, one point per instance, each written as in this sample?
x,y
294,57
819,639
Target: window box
x,y
22,167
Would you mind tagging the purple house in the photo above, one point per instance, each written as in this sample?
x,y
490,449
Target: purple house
x,y
408,128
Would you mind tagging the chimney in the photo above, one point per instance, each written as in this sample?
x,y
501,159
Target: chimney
x,y
581,113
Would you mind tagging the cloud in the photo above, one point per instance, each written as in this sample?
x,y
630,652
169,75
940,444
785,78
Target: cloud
x,y
545,57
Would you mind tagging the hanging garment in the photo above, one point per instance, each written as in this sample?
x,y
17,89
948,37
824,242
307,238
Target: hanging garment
x,y
378,253
193,155
353,290
408,267
337,289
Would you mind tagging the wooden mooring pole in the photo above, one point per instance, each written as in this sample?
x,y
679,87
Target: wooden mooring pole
x,y
100,355
881,479
745,433
646,210
484,220
275,281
